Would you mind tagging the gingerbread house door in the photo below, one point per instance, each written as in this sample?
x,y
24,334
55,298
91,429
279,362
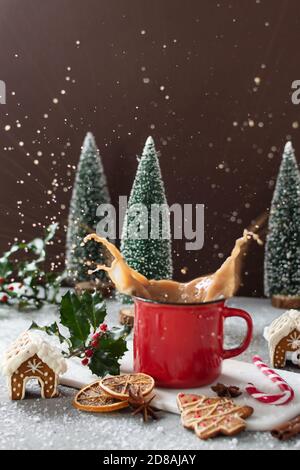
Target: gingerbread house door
x,y
34,369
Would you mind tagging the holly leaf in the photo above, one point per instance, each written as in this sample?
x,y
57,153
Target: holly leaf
x,y
6,268
74,317
24,305
107,356
82,315
95,308
51,330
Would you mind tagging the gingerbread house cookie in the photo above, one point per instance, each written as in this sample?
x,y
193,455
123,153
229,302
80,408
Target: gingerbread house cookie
x,y
283,337
30,357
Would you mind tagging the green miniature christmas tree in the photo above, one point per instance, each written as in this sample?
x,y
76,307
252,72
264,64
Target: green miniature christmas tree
x,y
282,255
149,255
89,192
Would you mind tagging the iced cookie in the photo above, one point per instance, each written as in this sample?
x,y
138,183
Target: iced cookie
x,y
209,417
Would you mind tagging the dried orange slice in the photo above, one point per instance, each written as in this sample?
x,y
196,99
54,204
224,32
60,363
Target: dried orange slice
x,y
118,386
94,400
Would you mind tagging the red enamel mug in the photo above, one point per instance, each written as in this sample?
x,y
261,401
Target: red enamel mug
x,y
181,345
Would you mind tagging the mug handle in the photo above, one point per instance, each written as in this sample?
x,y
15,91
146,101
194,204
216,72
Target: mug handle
x,y
235,312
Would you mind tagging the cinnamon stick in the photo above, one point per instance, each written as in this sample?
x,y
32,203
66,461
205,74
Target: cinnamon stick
x,y
288,430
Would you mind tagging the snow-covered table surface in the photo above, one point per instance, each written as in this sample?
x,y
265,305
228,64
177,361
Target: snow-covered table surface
x,y
55,424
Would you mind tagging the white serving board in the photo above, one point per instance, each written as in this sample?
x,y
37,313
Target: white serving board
x,y
238,373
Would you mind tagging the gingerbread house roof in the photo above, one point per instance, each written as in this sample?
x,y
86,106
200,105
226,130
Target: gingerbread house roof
x,y
25,347
282,327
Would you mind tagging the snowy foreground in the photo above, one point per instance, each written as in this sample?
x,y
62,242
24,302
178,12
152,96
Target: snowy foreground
x,y
55,424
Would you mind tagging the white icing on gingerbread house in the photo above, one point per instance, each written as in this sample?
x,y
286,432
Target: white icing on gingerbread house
x,y
31,357
283,336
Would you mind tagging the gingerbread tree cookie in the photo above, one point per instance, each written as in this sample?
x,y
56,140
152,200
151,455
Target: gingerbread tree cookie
x,y
30,357
209,417
283,337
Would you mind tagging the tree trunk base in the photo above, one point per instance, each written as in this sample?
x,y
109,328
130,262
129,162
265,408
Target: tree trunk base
x,y
126,316
104,288
286,301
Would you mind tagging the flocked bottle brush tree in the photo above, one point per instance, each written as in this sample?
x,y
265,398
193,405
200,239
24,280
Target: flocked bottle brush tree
x,y
149,255
282,253
89,192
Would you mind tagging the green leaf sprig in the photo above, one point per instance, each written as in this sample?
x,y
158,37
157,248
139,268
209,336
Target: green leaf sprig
x,y
25,283
89,338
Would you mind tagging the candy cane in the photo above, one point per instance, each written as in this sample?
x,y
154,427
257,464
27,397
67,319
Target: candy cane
x,y
278,399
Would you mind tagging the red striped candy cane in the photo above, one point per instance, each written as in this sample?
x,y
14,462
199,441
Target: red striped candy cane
x,y
277,399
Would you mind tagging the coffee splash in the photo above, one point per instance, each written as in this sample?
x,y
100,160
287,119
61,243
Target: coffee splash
x,y
224,283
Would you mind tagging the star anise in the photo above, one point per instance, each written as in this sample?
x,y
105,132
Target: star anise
x,y
224,391
141,404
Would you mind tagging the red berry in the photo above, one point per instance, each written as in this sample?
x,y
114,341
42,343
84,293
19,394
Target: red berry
x,y
96,336
103,327
89,353
2,280
4,299
85,361
11,288
94,343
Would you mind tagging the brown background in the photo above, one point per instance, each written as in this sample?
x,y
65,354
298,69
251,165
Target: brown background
x,y
207,54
